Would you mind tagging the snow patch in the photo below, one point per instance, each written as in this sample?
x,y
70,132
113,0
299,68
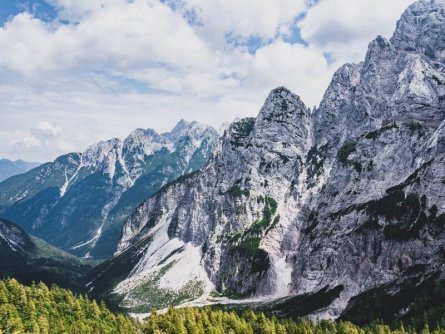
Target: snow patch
x,y
64,187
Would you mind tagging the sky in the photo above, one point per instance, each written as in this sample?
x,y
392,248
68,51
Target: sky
x,y
73,72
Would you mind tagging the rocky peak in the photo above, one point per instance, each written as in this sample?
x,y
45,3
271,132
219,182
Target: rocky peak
x,y
376,49
421,29
142,143
409,76
264,145
141,135
281,106
99,152
112,176
180,127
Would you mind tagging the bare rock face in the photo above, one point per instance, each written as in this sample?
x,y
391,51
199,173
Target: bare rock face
x,y
297,201
421,29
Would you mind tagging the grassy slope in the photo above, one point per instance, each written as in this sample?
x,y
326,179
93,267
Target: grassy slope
x,y
39,261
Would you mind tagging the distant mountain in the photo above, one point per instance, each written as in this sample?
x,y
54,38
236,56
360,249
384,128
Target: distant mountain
x,y
80,201
343,205
10,168
29,259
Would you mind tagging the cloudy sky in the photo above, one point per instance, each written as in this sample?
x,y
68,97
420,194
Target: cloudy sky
x,y
73,72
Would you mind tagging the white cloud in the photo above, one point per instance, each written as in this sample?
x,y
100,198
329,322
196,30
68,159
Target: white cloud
x,y
114,38
301,69
116,64
44,131
244,18
43,136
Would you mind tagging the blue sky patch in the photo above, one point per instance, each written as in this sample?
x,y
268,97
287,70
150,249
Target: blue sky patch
x,y
329,57
252,43
39,8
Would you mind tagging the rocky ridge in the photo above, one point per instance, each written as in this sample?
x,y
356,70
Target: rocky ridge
x,y
80,201
347,197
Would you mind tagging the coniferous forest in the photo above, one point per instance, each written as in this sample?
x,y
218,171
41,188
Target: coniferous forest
x,y
38,309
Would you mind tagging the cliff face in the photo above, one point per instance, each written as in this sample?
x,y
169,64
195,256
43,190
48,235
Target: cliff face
x,y
295,201
379,130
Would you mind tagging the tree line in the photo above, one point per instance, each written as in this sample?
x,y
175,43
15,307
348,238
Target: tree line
x,y
37,309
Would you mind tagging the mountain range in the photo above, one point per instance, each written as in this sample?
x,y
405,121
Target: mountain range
x,y
10,168
332,212
80,201
342,204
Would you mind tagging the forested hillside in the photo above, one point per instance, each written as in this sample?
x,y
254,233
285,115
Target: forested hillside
x,y
211,321
38,309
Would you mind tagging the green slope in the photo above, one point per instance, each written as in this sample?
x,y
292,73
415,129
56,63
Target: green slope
x,y
29,259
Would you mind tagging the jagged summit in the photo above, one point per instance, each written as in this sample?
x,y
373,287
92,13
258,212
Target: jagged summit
x,y
287,100
180,126
280,90
139,134
421,29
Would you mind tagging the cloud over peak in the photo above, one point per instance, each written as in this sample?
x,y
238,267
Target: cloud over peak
x,y
101,61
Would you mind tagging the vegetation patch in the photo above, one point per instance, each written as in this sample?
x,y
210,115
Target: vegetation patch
x,y
248,246
150,295
422,301
371,224
241,130
346,150
405,210
406,214
375,134
236,191
248,243
108,274
266,223
314,161
231,319
438,80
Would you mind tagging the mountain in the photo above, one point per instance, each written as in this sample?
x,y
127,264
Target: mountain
x,y
10,168
80,201
340,205
29,259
